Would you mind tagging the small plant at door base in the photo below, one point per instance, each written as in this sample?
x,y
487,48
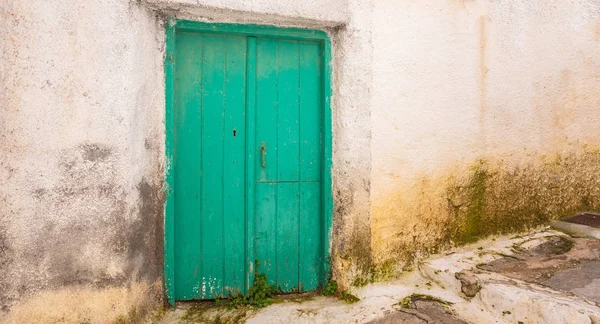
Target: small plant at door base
x,y
331,288
259,295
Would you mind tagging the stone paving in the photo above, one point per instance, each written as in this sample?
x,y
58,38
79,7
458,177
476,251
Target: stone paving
x,y
544,276
562,263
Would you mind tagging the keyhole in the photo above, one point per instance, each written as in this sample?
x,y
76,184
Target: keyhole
x,y
234,131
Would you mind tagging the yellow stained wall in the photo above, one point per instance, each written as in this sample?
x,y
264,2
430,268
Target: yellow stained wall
x,y
486,119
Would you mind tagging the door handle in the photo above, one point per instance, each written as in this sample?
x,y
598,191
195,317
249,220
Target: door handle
x,y
263,152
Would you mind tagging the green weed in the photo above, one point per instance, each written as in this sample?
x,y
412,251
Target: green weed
x,y
331,288
259,295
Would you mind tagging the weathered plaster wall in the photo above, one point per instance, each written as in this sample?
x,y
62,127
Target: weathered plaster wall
x,y
452,119
81,163
486,118
82,129
316,13
351,117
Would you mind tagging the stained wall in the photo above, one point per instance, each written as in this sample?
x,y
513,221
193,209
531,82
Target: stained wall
x,y
452,120
485,120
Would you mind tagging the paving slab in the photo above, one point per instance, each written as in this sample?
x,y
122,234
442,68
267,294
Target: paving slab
x,y
503,279
582,280
421,312
560,262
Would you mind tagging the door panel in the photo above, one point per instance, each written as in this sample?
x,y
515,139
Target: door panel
x,y
234,155
210,165
213,227
288,137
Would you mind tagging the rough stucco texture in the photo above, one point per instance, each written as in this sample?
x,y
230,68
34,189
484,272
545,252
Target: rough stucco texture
x,y
315,13
485,119
81,133
452,120
82,161
351,116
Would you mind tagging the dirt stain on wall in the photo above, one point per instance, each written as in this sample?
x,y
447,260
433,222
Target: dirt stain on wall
x,y
131,304
487,198
146,234
112,237
351,253
95,152
6,256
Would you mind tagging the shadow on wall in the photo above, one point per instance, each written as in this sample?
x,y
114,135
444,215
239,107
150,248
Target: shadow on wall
x,y
487,198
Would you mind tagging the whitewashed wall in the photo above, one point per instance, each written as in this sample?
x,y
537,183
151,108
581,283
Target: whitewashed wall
x,y
481,106
443,110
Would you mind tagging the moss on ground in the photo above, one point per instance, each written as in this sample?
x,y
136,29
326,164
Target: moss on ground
x,y
209,312
348,297
407,301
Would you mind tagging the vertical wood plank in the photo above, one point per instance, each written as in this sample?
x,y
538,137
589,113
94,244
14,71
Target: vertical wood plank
x,y
266,162
267,109
188,147
250,162
234,166
266,230
169,239
310,166
212,166
288,206
310,112
288,149
310,235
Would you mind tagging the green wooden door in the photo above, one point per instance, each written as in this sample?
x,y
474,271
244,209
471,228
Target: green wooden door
x,y
288,170
248,152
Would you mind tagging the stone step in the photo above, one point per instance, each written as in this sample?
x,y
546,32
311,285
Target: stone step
x,y
491,297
